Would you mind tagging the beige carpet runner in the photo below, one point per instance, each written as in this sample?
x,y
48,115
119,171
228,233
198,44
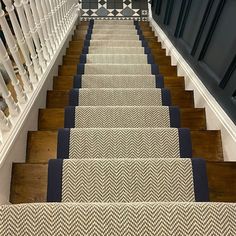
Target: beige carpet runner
x,y
116,81
124,166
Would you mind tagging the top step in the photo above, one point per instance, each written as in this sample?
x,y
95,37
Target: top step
x,y
113,22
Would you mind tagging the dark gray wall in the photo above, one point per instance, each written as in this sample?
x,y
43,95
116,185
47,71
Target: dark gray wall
x,y
204,32
119,9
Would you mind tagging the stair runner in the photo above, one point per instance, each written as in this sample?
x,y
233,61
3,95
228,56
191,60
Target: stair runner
x,y
124,166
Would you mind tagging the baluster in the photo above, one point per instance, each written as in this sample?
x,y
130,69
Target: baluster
x,y
34,33
65,13
6,94
21,41
39,61
21,96
5,123
48,24
61,17
51,21
44,27
56,20
14,51
45,44
54,5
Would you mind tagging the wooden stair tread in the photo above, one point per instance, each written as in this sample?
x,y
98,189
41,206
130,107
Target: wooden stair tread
x,y
29,182
53,118
60,98
66,82
72,70
42,145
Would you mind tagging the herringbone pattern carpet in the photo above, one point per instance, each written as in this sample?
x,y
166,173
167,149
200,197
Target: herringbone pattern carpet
x,y
120,143
119,219
122,117
127,180
120,97
118,81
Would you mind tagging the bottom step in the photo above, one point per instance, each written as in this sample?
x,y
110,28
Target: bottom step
x,y
119,219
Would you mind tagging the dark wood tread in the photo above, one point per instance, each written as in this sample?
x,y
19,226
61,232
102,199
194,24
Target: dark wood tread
x,y
29,182
53,118
74,59
66,82
179,97
42,145
72,70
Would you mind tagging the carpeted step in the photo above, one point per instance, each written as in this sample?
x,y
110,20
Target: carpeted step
x,y
122,117
118,81
117,59
94,30
124,143
115,43
114,26
119,97
118,219
118,69
116,50
113,22
127,180
114,37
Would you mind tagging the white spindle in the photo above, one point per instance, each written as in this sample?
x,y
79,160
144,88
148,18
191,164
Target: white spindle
x,y
15,52
45,44
61,17
26,30
5,123
6,94
48,24
44,27
34,33
55,22
21,96
21,41
50,16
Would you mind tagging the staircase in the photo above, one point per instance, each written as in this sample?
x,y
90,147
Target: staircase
x,y
131,135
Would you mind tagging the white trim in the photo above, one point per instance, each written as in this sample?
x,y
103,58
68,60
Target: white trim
x,y
216,117
8,139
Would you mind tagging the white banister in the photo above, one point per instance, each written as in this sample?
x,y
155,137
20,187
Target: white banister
x,y
21,41
45,45
21,96
34,33
30,34
6,94
5,123
27,34
14,51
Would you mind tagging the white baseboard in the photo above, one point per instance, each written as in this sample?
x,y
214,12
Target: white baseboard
x,y
14,149
217,119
